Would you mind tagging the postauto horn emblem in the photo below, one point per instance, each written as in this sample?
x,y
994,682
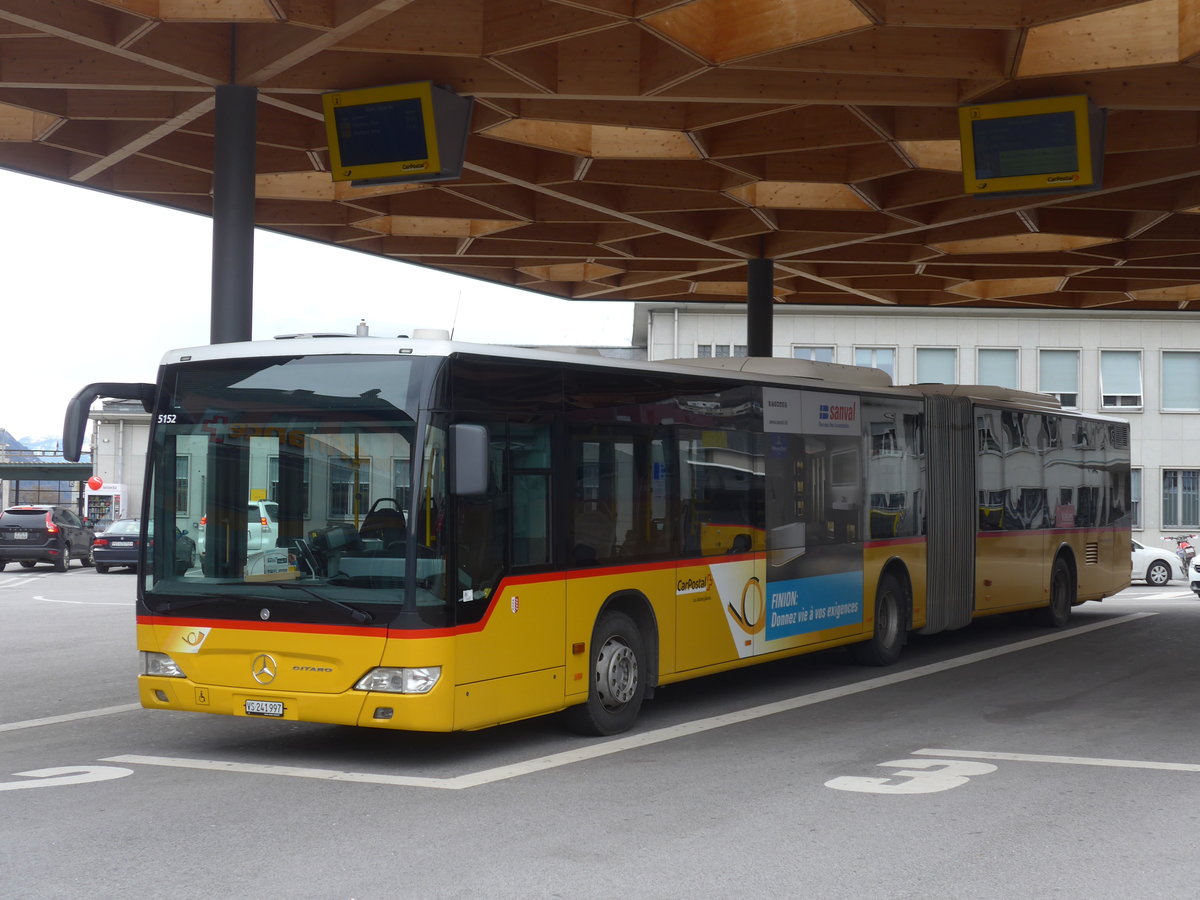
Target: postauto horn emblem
x,y
263,669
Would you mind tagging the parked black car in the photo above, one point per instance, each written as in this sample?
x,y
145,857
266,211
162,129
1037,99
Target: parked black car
x,y
119,544
53,534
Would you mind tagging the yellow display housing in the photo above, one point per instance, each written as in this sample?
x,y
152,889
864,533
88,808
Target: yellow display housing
x,y
1031,146
382,132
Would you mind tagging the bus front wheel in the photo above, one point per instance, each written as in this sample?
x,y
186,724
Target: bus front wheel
x,y
618,678
891,617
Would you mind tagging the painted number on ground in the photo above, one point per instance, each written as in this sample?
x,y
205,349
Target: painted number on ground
x,y
915,776
64,775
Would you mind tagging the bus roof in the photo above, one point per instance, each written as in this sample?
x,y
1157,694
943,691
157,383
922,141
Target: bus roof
x,y
781,370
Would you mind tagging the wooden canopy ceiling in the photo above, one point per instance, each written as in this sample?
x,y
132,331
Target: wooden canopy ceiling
x,y
644,149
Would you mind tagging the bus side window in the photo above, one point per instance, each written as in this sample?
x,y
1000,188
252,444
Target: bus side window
x,y
529,460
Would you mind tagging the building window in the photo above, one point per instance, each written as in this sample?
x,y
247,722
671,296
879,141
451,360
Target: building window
x,y
1058,374
402,481
719,351
816,354
1180,380
1135,497
1120,378
882,358
998,367
182,480
1180,498
937,365
349,488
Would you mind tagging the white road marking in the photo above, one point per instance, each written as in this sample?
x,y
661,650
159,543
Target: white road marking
x,y
1064,760
15,580
82,602
69,717
634,741
61,775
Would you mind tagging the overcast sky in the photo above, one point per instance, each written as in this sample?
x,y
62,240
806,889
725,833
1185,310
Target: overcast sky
x,y
97,288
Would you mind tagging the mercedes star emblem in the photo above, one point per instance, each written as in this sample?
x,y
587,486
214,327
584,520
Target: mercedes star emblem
x,y
263,669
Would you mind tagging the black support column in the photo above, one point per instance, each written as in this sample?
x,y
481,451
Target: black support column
x,y
759,297
233,214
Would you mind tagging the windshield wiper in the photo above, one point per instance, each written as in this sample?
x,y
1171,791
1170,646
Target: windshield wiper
x,y
175,605
358,615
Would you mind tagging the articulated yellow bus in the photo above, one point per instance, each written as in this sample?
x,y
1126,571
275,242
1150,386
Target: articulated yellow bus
x,y
433,536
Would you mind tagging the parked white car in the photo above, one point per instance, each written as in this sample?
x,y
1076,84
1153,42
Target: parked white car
x,y
261,527
1155,566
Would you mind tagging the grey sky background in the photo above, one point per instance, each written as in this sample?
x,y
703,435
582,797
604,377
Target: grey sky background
x,y
98,288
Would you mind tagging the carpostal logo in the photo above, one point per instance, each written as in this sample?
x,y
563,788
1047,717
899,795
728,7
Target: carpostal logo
x,y
693,585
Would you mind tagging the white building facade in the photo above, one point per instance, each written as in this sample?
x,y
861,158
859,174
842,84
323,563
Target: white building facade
x,y
1143,367
120,432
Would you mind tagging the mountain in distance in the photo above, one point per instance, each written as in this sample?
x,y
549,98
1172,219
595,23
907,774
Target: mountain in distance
x,y
8,442
53,442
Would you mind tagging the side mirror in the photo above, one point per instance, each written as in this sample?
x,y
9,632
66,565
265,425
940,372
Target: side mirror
x,y
77,410
469,462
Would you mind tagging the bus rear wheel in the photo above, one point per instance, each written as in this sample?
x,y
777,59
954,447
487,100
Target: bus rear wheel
x,y
1062,598
891,617
617,678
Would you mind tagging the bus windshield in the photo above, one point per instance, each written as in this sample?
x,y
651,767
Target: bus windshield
x,y
296,488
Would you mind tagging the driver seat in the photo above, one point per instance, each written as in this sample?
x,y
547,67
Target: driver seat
x,y
384,523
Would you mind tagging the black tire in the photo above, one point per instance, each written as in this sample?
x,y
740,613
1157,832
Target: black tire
x,y
102,568
63,561
1062,598
1158,574
86,559
617,673
27,564
3,563
891,625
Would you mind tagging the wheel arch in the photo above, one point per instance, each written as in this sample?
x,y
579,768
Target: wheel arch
x,y
637,606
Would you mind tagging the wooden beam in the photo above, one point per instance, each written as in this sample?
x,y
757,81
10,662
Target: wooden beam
x,y
721,31
1140,34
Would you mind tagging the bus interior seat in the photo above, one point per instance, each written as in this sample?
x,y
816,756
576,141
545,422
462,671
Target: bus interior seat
x,y
595,529
384,523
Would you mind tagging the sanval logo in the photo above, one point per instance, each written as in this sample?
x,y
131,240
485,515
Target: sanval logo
x,y
833,412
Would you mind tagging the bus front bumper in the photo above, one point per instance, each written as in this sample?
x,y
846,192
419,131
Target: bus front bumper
x,y
401,712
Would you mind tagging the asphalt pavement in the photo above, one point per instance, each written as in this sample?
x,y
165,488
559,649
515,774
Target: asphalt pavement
x,y
999,761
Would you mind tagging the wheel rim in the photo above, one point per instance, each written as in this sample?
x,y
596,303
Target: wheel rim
x,y
1158,574
66,557
1061,602
887,619
616,673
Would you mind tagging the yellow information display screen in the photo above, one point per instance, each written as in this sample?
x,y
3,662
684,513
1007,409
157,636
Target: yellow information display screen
x,y
382,132
1021,146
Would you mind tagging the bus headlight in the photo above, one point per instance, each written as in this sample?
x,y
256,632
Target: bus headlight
x,y
160,664
400,681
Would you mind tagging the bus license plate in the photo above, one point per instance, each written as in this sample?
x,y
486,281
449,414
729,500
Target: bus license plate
x,y
264,708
